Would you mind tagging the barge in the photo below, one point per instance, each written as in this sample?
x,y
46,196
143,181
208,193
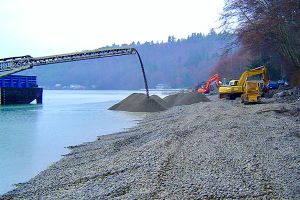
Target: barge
x,y
16,89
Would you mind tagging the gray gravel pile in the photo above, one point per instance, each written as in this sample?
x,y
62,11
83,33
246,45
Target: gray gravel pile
x,y
138,102
220,149
288,95
283,95
187,98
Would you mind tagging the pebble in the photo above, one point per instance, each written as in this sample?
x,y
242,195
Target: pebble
x,y
182,153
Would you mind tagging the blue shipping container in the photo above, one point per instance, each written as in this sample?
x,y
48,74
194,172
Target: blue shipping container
x,y
17,81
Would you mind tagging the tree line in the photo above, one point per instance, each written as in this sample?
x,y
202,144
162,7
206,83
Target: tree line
x,y
176,62
267,33
255,33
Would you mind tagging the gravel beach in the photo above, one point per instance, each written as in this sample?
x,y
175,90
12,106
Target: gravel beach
x,y
209,150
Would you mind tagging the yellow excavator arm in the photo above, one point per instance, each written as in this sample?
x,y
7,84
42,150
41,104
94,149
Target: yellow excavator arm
x,y
253,72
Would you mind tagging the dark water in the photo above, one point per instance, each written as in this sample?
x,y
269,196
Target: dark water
x,y
34,136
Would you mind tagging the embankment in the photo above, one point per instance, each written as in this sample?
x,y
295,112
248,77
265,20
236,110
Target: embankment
x,y
217,149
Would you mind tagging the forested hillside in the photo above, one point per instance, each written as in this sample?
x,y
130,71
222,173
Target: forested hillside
x,y
177,62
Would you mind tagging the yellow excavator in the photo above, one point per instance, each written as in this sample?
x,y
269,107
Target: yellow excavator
x,y
249,91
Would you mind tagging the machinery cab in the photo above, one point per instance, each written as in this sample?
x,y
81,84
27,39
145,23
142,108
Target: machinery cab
x,y
230,91
233,82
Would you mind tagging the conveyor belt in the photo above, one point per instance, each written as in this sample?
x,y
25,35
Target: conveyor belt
x,y
16,64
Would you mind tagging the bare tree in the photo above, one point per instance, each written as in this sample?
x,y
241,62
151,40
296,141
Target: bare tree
x,y
266,26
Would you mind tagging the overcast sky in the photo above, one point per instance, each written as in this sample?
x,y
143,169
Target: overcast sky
x,y
46,27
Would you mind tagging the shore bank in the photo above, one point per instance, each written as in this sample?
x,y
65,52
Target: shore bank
x,y
217,149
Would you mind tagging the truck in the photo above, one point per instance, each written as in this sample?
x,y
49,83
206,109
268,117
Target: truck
x,y
237,88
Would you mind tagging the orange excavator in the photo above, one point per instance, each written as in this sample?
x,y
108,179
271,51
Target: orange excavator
x,y
206,89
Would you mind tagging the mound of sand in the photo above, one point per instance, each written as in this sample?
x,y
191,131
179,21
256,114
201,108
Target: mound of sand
x,y
185,98
138,102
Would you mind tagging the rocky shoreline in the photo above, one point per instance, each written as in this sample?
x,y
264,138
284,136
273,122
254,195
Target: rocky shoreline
x,y
218,149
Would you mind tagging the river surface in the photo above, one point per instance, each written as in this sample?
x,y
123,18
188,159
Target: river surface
x,y
34,136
